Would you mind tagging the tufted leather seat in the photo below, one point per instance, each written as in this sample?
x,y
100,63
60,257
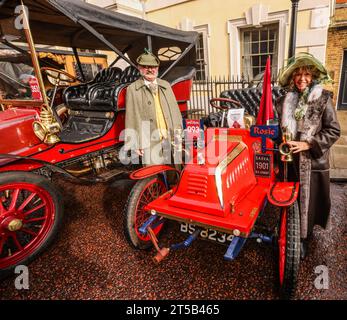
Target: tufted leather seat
x,y
249,99
101,96
129,74
93,104
88,96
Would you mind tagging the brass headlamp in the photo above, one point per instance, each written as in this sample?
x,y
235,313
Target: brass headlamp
x,y
47,128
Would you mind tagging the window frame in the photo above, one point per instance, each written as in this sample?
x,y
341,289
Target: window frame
x,y
203,31
275,53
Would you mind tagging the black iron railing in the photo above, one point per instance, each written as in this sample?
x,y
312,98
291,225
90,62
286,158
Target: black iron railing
x,y
204,90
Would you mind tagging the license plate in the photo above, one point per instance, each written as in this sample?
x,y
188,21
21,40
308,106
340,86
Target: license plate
x,y
208,234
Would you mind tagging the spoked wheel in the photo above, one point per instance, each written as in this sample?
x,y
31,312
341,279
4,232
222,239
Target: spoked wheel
x,y
143,192
289,250
30,215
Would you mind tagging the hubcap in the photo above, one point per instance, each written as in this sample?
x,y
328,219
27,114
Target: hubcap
x,y
10,223
15,225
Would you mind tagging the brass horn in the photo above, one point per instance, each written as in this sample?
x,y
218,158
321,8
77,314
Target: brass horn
x,y
284,147
39,130
249,121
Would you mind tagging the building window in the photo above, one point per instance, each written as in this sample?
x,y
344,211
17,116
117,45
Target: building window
x,y
201,58
256,45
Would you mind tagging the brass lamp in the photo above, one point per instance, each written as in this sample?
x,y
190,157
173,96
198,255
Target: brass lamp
x,y
46,129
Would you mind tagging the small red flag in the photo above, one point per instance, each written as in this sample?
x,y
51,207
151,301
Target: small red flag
x,y
266,112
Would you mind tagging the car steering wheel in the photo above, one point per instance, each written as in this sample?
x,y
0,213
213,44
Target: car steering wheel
x,y
223,108
60,75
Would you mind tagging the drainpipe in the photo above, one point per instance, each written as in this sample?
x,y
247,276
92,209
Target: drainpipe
x,y
332,12
293,25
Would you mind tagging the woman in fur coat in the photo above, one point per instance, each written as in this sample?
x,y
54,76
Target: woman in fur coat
x,y
307,112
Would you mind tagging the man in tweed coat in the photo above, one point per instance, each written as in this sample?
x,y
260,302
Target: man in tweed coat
x,y
152,113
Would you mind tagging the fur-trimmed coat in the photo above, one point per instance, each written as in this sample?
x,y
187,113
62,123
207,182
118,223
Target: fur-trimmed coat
x,y
321,130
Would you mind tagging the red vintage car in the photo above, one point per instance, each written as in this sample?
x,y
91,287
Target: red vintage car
x,y
72,127
221,194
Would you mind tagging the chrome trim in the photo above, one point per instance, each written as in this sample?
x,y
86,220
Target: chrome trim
x,y
227,138
223,165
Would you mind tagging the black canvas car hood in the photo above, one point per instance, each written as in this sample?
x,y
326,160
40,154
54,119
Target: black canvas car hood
x,y
58,22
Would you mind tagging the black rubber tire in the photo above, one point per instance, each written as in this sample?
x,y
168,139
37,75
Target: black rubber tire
x,y
292,253
44,183
130,212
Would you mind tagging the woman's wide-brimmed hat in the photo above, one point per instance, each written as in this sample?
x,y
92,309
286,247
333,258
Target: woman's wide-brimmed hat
x,y
302,59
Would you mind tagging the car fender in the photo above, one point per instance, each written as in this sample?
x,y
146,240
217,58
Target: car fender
x,y
283,194
150,171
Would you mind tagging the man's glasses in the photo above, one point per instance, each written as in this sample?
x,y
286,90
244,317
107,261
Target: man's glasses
x,y
149,67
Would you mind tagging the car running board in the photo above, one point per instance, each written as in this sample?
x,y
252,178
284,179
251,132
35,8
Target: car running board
x,y
108,175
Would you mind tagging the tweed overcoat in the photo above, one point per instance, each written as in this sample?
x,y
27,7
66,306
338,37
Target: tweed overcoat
x,y
141,115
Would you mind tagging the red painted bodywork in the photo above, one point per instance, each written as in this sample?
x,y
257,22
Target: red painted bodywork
x,y
121,99
150,171
182,92
241,196
16,131
63,151
283,194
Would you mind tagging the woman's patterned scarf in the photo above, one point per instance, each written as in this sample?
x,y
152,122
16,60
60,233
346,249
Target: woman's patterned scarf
x,y
301,108
296,105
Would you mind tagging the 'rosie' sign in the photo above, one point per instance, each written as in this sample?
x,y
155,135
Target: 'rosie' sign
x,y
265,131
